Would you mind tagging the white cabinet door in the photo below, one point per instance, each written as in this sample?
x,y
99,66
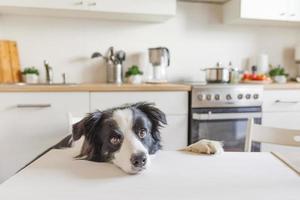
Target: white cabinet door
x,y
281,101
30,123
281,109
288,120
294,10
262,12
134,6
174,104
140,10
174,136
264,9
49,4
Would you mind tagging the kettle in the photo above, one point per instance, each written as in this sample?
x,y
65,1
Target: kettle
x,y
159,58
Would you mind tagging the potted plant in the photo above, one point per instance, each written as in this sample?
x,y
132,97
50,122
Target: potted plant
x,y
278,74
31,75
134,75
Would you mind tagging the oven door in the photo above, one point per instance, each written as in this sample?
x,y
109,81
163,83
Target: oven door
x,y
228,125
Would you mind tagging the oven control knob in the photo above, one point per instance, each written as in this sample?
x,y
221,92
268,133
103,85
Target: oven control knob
x,y
240,96
248,96
200,97
208,97
256,96
217,97
228,97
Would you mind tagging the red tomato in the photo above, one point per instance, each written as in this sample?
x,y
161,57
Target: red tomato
x,y
253,77
246,76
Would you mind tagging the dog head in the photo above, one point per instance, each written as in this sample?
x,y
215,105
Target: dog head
x,y
126,136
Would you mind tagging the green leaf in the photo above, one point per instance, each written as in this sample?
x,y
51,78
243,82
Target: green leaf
x,y
133,70
31,70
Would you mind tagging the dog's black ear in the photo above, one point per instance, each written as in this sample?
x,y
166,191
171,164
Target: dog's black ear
x,y
156,116
86,126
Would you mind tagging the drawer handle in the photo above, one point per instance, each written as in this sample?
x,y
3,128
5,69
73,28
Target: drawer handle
x,y
287,102
33,105
92,4
79,3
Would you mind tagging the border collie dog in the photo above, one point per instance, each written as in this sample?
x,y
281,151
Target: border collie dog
x,y
125,136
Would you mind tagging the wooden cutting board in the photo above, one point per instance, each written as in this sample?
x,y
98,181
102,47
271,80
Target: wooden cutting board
x,y
9,62
258,82
14,61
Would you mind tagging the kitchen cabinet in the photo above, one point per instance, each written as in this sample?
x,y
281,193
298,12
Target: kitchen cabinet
x,y
173,104
294,8
261,11
281,109
139,10
30,123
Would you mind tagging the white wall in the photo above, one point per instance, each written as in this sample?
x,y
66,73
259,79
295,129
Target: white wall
x,y
196,38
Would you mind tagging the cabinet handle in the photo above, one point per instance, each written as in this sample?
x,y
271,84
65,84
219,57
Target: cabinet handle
x,y
282,14
79,3
293,15
287,102
33,105
92,4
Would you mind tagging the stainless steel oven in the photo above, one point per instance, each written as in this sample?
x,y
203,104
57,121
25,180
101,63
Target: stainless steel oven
x,y
221,112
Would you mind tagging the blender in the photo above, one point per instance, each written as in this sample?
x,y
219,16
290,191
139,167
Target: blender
x,y
159,58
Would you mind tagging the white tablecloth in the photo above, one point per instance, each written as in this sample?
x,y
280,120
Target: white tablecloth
x,y
173,175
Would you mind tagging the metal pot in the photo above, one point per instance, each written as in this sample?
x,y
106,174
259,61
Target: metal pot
x,y
217,75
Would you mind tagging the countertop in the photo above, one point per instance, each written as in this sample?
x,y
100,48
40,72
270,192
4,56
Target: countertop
x,y
285,86
103,87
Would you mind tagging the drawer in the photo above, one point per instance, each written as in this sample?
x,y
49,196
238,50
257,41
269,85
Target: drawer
x,y
172,103
30,123
175,135
288,120
281,100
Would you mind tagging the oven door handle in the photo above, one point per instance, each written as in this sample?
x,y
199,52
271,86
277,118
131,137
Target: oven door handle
x,y
225,116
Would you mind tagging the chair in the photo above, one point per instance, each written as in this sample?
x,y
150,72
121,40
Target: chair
x,y
279,136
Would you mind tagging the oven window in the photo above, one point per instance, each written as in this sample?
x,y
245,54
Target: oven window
x,y
230,132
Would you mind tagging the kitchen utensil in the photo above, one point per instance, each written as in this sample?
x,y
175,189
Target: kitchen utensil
x,y
121,56
49,72
111,54
96,55
114,64
217,74
118,73
9,62
160,59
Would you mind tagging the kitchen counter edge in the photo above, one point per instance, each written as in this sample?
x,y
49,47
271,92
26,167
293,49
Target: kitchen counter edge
x,y
284,86
95,88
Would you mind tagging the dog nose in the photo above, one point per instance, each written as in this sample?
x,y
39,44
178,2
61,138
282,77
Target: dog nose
x,y
139,159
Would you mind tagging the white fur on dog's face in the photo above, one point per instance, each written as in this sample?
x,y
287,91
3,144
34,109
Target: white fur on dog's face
x,y
131,143
125,135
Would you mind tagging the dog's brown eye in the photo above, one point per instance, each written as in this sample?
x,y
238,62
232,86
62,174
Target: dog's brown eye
x,y
142,133
115,140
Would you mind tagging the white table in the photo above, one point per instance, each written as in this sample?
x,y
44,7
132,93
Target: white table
x,y
291,159
173,175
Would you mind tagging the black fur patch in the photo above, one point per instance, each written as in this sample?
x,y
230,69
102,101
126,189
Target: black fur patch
x,y
99,127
